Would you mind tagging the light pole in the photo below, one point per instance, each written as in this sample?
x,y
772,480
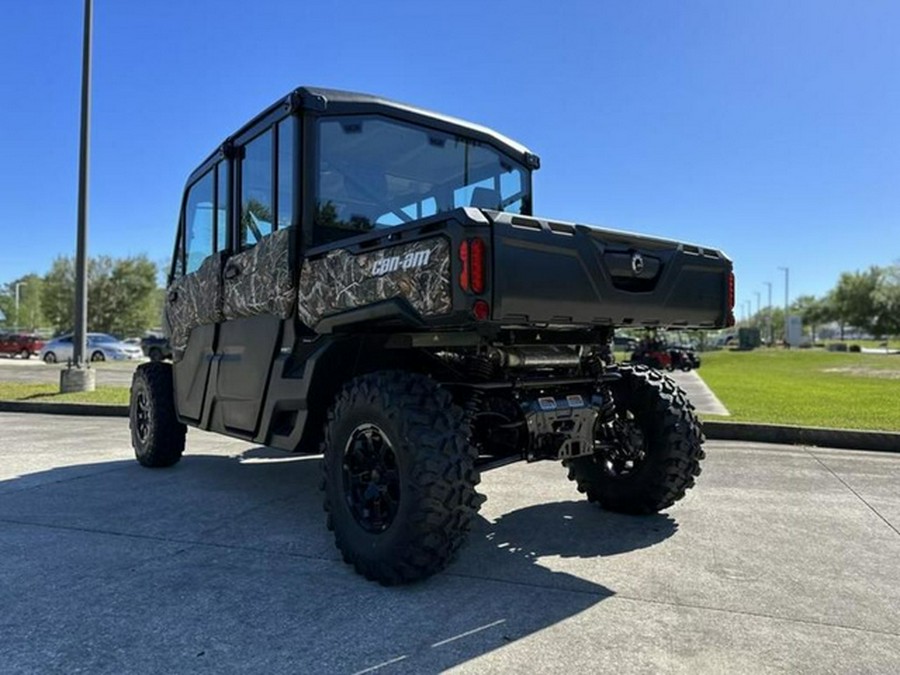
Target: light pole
x,y
769,313
787,273
81,377
19,284
758,308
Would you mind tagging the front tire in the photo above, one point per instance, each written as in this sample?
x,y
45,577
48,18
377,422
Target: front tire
x,y
156,434
656,448
399,476
98,356
25,354
49,357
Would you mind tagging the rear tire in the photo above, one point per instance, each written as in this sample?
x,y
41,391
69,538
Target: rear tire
x,y
25,354
399,476
98,356
49,357
156,434
659,451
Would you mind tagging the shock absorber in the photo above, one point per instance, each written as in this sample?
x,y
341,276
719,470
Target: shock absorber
x,y
480,368
606,414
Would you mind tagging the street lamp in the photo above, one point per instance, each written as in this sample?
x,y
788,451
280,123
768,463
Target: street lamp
x,y
81,377
19,284
787,273
758,309
769,312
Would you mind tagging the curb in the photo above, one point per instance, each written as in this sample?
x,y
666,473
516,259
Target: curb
x,y
83,409
847,439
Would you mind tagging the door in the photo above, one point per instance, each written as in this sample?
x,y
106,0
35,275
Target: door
x,y
194,296
257,280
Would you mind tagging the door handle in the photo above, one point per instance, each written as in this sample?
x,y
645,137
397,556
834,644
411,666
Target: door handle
x,y
231,271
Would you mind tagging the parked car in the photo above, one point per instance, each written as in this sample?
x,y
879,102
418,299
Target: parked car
x,y
20,344
156,347
100,347
624,343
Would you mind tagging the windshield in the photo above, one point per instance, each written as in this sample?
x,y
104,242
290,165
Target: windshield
x,y
375,172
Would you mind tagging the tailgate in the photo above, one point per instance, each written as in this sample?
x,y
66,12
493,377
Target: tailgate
x,y
562,273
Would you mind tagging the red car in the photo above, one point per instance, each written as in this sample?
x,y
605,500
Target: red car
x,y
19,344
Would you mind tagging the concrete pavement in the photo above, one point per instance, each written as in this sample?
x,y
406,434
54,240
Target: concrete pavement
x,y
781,560
699,393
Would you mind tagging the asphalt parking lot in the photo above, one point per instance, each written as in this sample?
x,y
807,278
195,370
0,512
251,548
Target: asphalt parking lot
x,y
781,560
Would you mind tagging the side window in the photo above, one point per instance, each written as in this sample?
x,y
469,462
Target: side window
x,y
222,210
198,219
286,173
256,190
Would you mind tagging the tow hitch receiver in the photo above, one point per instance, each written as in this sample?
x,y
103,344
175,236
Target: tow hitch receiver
x,y
561,427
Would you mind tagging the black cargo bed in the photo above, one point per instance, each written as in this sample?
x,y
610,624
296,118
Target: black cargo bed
x,y
553,272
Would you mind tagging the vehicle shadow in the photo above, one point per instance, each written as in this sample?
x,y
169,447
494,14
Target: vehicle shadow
x,y
228,558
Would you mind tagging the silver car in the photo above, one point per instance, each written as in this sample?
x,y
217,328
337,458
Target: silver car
x,y
100,347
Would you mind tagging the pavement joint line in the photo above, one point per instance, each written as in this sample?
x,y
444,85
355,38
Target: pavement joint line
x,y
57,481
858,496
758,615
686,605
168,540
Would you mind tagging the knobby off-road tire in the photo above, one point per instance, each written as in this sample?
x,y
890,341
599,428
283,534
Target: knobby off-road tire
x,y
669,438
399,476
156,434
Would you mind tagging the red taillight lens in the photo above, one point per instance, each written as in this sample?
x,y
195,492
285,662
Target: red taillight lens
x,y
481,310
464,260
476,273
472,253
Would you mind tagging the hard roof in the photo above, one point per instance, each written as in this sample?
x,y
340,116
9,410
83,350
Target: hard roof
x,y
335,101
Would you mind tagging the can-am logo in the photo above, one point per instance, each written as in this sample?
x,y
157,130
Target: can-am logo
x,y
410,261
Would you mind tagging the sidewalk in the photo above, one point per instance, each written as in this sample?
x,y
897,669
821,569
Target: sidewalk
x,y
703,398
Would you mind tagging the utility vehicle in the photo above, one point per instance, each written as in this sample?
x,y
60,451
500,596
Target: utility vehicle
x,y
365,279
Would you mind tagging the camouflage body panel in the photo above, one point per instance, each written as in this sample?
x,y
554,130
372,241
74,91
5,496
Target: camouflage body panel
x,y
418,271
197,301
263,285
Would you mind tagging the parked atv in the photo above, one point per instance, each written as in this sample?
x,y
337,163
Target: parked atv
x,y
364,279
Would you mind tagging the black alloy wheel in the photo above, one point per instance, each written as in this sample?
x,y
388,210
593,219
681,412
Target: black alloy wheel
x,y
371,478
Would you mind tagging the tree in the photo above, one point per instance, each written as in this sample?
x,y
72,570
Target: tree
x,y
813,311
852,299
122,295
59,294
886,298
30,314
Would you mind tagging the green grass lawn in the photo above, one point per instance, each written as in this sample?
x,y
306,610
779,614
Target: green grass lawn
x,y
807,387
21,391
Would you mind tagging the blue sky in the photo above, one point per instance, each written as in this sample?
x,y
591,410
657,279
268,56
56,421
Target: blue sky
x,y
770,130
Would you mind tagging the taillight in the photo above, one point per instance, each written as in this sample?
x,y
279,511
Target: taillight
x,y
472,262
476,259
464,260
481,310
